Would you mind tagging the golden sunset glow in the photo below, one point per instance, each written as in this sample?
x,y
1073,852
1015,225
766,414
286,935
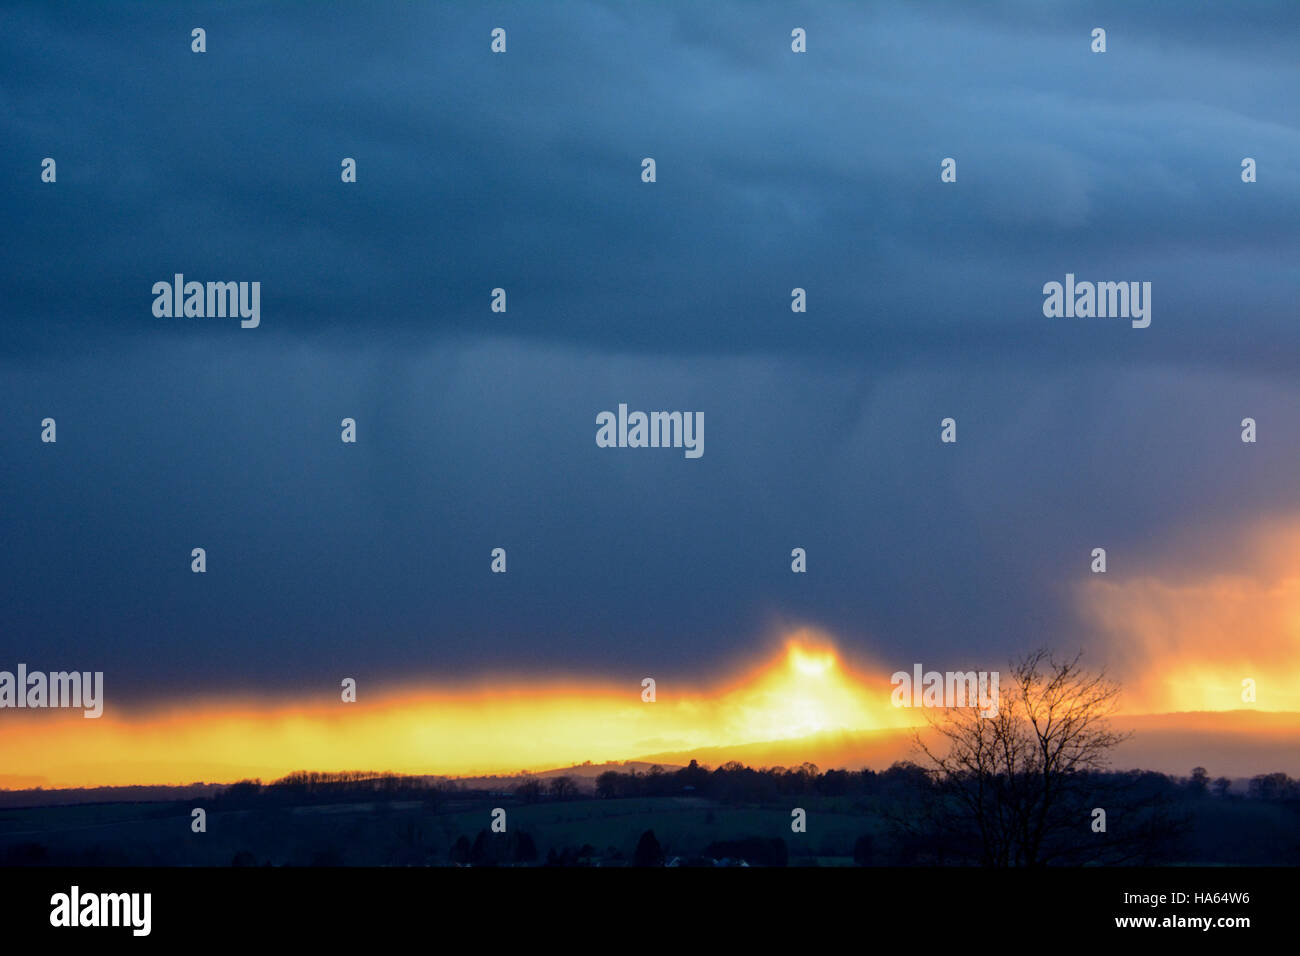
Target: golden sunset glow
x,y
492,729
1185,638
807,692
1176,642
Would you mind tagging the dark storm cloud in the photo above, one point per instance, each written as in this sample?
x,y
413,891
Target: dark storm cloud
x,y
372,560
775,170
477,429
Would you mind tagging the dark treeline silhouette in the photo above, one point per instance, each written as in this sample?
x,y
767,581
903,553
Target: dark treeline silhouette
x,y
736,783
535,790
333,788
40,797
368,785
1273,786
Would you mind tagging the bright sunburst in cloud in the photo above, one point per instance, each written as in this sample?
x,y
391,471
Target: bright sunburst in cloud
x,y
807,690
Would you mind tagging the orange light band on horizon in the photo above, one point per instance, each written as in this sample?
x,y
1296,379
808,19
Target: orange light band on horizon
x,y
493,730
510,726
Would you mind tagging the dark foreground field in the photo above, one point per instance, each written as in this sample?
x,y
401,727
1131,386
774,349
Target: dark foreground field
x,y
874,820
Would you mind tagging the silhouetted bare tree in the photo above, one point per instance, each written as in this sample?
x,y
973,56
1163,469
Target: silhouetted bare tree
x,y
1019,787
1199,783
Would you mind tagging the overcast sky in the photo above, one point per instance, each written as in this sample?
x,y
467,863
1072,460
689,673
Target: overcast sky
x,y
477,429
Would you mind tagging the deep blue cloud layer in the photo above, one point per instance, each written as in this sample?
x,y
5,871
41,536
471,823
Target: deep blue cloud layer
x,y
522,171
